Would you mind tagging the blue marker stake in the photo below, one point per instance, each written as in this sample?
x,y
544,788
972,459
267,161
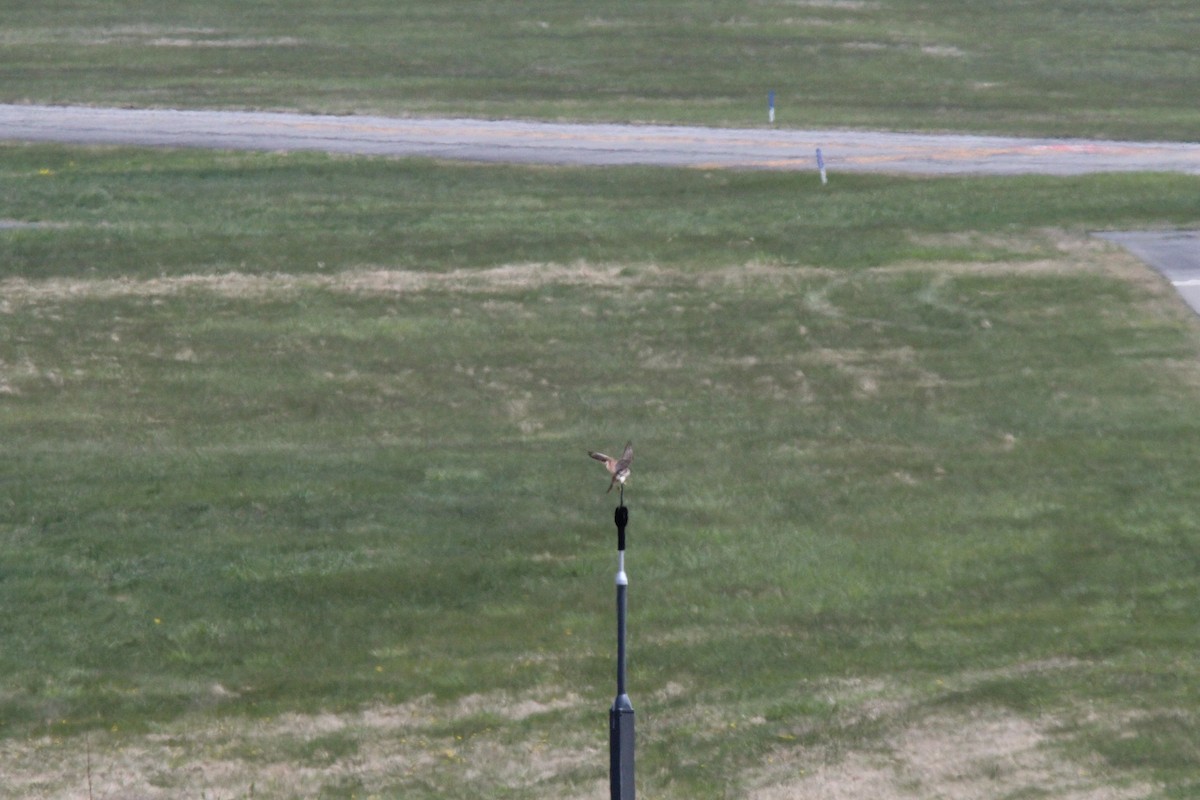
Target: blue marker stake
x,y
821,166
771,106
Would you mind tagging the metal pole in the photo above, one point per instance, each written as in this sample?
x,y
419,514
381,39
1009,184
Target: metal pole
x,y
620,717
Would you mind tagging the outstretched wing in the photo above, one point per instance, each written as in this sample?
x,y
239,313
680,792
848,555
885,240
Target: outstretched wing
x,y
626,458
599,456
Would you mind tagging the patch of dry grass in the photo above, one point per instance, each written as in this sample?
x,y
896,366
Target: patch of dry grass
x,y
380,749
975,756
1045,252
885,740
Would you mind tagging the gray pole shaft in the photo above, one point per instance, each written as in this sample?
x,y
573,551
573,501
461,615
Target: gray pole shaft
x,y
620,718
622,610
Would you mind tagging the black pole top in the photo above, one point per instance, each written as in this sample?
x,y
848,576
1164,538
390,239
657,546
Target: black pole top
x,y
622,519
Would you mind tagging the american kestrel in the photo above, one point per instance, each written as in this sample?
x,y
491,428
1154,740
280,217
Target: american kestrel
x,y
618,467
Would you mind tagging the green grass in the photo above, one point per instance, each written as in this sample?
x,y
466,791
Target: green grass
x,y
293,494
1123,68
107,215
896,438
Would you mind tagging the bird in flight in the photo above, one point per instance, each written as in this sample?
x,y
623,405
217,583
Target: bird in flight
x,y
617,467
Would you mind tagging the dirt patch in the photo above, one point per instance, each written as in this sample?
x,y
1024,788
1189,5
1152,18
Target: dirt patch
x,y
834,5
303,755
943,51
148,36
918,750
18,225
233,42
880,740
238,285
1066,253
961,756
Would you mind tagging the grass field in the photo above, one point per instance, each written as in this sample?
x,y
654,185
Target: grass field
x,y
1119,68
296,500
294,495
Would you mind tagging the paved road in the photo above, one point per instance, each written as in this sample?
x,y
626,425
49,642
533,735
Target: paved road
x,y
553,143
1176,254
